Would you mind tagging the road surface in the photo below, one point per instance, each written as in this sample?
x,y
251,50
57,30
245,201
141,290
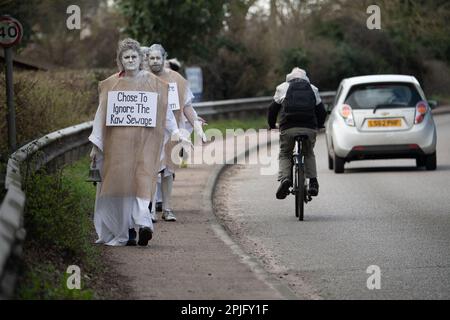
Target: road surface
x,y
385,213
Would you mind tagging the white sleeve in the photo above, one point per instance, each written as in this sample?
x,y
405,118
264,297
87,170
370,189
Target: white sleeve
x,y
171,122
190,114
96,137
189,96
280,93
317,94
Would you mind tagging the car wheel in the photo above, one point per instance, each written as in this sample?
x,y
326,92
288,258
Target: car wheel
x,y
420,162
330,163
338,164
430,161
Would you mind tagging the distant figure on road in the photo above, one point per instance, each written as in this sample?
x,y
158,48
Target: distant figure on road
x,y
301,113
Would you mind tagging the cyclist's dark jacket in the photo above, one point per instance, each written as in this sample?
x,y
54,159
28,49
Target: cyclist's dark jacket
x,y
306,119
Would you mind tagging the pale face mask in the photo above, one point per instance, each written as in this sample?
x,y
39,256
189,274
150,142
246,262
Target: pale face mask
x,y
130,60
156,61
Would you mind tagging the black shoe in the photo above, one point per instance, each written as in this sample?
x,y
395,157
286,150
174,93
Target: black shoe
x,y
131,237
145,235
313,187
158,207
283,189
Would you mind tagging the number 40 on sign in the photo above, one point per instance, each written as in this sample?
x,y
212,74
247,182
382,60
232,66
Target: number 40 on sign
x,y
11,31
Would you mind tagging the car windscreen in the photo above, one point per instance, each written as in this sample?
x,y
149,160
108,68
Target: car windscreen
x,y
388,94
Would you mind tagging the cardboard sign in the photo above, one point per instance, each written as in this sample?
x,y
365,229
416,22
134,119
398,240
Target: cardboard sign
x,y
131,109
174,101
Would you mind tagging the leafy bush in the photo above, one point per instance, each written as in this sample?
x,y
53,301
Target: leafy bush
x,y
294,57
46,282
60,233
56,213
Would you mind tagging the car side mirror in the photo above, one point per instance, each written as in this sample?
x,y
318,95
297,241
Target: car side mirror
x,y
433,104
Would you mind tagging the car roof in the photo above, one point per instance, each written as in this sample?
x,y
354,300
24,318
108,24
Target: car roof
x,y
380,78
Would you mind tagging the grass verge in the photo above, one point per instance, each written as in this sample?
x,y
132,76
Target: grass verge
x,y
253,122
60,233
443,100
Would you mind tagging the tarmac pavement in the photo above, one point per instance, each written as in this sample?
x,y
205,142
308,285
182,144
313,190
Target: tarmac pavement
x,y
194,257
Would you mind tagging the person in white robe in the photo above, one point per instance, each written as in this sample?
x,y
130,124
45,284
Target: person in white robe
x,y
181,105
128,157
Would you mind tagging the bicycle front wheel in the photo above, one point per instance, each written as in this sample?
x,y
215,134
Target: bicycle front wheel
x,y
300,194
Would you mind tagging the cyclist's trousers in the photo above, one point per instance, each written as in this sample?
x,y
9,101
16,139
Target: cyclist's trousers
x,y
287,143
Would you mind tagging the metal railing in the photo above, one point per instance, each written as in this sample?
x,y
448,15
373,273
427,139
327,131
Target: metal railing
x,y
52,150
62,147
237,107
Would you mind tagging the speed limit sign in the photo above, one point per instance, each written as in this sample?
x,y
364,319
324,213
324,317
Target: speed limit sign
x,y
11,31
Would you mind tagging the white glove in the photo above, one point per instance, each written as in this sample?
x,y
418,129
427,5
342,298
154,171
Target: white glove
x,y
185,142
199,131
203,121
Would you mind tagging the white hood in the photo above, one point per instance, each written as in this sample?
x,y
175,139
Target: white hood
x,y
296,73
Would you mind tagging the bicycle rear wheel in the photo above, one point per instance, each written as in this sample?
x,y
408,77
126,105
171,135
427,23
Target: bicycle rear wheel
x,y
300,194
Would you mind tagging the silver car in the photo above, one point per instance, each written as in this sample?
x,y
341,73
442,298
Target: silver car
x,y
380,117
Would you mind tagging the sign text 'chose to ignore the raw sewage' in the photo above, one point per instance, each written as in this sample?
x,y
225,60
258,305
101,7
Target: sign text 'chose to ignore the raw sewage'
x,y
132,108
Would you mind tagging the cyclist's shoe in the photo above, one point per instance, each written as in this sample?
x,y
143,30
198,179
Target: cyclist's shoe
x,y
283,189
131,237
313,187
145,235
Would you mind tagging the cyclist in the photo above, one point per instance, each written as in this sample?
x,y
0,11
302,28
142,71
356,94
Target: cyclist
x,y
301,113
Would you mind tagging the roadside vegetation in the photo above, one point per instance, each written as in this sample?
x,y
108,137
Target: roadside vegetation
x,y
251,122
48,101
442,99
246,47
60,233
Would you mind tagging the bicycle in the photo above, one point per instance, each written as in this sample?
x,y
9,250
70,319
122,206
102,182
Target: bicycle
x,y
300,185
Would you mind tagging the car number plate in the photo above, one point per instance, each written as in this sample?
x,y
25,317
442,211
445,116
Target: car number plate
x,y
385,123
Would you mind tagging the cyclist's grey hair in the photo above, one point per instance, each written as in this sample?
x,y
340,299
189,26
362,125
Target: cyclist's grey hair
x,y
128,44
160,48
